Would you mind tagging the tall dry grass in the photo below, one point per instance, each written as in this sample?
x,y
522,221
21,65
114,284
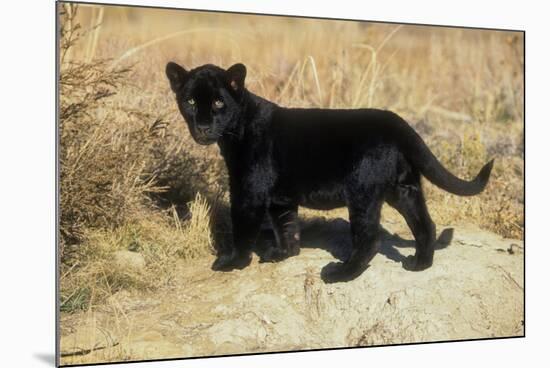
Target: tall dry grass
x,y
129,158
114,159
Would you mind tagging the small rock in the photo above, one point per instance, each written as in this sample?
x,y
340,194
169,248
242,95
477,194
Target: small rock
x,y
267,320
129,260
514,248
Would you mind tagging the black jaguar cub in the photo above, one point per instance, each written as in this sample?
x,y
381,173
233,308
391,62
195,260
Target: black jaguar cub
x,y
280,158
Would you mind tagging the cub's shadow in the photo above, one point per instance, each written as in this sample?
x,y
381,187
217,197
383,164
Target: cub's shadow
x,y
334,236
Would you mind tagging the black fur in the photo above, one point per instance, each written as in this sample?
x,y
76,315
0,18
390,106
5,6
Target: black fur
x,y
281,158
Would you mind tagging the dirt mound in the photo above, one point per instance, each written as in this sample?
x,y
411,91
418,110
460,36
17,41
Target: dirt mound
x,y
473,290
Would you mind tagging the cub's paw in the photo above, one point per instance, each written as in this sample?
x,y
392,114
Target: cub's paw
x,y
341,272
412,263
273,254
230,262
294,250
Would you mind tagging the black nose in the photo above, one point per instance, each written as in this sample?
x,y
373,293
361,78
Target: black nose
x,y
204,130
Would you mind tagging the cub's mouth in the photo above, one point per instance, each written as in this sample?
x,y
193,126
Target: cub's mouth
x,y
205,136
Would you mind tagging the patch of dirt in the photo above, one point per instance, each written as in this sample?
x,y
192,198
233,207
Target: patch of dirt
x,y
473,290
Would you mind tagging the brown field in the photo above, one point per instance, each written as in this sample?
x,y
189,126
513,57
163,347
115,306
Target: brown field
x,y
130,173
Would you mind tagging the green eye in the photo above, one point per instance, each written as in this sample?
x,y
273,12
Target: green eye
x,y
191,101
219,104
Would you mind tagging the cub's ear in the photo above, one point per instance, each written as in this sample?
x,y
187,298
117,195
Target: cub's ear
x,y
176,75
236,75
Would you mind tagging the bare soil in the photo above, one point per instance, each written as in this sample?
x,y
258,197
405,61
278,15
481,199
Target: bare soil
x,y
473,290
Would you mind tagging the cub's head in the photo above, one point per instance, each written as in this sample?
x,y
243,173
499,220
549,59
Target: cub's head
x,y
209,98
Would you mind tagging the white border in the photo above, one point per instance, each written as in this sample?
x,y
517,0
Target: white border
x,y
27,181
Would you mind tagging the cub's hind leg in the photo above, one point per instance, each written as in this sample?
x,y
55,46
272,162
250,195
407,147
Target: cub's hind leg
x,y
364,206
284,220
407,198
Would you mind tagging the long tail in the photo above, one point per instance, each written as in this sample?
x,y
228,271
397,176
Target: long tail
x,y
423,159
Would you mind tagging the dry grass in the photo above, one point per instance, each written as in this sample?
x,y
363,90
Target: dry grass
x,y
114,159
129,167
160,239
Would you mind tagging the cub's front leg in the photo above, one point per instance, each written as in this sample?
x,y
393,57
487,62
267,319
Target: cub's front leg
x,y
246,215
